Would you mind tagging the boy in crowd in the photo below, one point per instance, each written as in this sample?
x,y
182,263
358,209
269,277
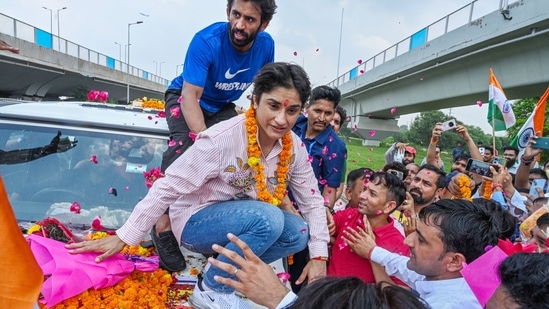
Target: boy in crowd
x,y
382,193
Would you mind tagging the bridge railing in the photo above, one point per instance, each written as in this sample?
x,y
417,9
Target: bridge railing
x,y
24,31
454,20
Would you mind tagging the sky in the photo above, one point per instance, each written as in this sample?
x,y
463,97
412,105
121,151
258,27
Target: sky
x,y
310,28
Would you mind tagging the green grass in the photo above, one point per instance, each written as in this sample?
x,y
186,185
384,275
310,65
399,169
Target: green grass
x,y
359,156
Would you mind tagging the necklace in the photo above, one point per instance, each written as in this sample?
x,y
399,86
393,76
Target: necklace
x,y
254,154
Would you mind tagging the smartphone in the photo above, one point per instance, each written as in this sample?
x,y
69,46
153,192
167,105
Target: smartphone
x,y
481,150
541,143
449,125
501,161
479,167
399,174
538,183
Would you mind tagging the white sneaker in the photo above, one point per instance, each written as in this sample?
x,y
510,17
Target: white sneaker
x,y
216,300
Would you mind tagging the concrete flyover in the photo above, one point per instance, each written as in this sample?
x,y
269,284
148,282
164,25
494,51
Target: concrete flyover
x,y
453,69
48,67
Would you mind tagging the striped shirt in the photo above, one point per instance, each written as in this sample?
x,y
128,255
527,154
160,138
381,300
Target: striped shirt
x,y
215,169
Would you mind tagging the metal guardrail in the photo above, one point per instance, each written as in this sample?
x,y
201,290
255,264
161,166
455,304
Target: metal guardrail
x,y
24,31
454,20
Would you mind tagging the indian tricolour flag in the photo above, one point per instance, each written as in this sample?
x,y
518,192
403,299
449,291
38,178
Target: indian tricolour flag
x,y
500,113
533,124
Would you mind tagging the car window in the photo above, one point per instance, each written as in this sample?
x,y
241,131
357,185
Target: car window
x,y
47,169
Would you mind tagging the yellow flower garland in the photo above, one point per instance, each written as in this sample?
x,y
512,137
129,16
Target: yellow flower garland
x,y
487,190
139,290
464,188
254,155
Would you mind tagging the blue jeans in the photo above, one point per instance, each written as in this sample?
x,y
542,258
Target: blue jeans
x,y
269,232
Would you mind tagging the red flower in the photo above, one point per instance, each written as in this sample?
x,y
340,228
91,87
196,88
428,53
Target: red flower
x,y
75,207
96,224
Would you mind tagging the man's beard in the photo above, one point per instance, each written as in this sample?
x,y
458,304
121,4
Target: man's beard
x,y
418,198
510,164
407,161
248,38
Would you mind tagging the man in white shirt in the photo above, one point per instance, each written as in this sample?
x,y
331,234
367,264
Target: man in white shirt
x,y
449,233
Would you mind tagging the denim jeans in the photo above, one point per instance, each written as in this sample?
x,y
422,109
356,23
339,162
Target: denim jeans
x,y
269,232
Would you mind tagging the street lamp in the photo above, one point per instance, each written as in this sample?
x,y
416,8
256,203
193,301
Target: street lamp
x,y
128,63
119,51
58,29
177,67
51,19
160,68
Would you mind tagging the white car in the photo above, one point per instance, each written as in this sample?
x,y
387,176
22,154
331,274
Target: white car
x,y
56,154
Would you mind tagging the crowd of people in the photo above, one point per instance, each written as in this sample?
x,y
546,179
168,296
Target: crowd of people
x,y
253,188
270,179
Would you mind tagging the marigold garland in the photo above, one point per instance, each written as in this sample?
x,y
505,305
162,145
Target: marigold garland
x,y
487,190
254,155
139,290
464,188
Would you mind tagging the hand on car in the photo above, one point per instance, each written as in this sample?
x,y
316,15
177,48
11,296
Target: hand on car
x,y
108,246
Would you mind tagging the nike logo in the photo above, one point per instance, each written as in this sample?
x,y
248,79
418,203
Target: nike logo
x,y
228,74
213,300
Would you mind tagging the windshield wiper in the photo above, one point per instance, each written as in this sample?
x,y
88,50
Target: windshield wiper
x,y
56,145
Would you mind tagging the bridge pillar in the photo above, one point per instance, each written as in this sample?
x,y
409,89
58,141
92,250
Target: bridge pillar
x,y
373,130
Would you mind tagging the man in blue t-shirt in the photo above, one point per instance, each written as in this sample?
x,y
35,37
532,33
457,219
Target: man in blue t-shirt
x,y
220,64
327,154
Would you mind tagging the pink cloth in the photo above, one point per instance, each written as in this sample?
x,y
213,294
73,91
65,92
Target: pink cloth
x,y
71,274
482,274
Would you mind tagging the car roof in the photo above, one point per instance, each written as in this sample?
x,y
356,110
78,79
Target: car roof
x,y
87,114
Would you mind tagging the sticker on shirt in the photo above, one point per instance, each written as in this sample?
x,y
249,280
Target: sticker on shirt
x,y
274,180
241,178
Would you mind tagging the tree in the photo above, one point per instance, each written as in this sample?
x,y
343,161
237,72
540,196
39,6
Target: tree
x,y
422,127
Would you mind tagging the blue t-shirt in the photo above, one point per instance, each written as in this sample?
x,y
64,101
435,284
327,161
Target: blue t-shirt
x,y
213,64
327,151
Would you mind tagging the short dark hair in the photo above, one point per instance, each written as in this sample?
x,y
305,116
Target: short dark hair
x,y
515,149
397,166
543,220
456,220
342,114
267,7
524,278
508,222
441,181
489,148
327,93
462,157
396,190
538,171
285,75
351,292
357,174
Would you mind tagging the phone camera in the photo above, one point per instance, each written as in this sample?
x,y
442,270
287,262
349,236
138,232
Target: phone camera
x,y
451,124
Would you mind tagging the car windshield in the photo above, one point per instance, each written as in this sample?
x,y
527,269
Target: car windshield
x,y
48,169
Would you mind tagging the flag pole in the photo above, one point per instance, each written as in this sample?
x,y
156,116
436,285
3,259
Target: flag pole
x,y
494,129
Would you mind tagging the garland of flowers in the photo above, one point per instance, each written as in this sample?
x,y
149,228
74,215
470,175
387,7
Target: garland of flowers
x,y
487,190
464,188
140,289
254,155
